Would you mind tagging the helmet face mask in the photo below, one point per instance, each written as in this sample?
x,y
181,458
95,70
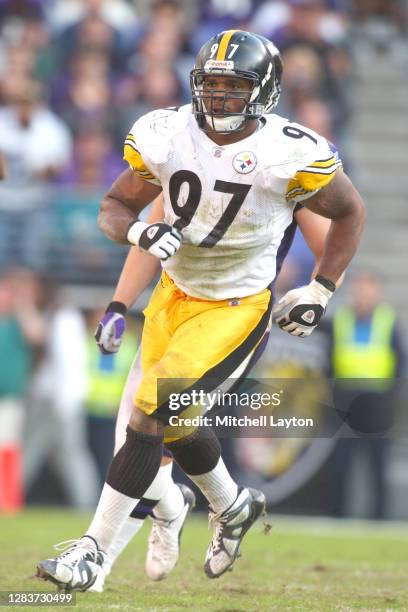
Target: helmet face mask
x,y
236,58
224,110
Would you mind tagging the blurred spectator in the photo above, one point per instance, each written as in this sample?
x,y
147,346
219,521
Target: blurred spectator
x,y
315,114
78,251
95,164
88,101
367,359
380,26
25,51
21,329
92,32
156,74
156,88
218,15
21,10
82,66
77,245
107,376
37,39
300,20
56,426
120,14
18,67
25,125
379,13
312,40
161,49
302,77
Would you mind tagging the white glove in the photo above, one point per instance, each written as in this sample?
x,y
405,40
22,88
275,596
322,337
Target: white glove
x,y
300,310
159,239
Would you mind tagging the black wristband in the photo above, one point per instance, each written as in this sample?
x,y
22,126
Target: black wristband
x,y
128,228
326,282
118,307
132,223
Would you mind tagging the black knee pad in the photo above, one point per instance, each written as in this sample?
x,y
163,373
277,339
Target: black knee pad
x,y
135,466
198,453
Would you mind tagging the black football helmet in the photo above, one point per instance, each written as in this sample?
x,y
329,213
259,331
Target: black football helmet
x,y
240,54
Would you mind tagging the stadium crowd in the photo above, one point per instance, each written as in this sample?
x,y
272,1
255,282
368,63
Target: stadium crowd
x,y
74,76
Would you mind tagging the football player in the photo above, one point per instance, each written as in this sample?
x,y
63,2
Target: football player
x,y
169,508
231,175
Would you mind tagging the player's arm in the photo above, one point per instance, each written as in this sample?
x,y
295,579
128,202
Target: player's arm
x,y
122,204
118,217
300,310
137,273
340,202
139,268
314,229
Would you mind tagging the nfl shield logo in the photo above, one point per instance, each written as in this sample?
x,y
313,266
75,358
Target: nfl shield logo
x,y
244,162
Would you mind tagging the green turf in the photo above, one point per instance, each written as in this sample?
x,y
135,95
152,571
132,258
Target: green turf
x,y
310,565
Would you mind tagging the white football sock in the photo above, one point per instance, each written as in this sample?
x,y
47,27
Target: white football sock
x,y
171,503
171,507
160,483
217,486
111,514
128,531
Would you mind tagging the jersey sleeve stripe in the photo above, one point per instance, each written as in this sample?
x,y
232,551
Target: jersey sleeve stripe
x,y
320,171
295,192
322,166
324,163
145,174
131,144
313,180
135,160
310,180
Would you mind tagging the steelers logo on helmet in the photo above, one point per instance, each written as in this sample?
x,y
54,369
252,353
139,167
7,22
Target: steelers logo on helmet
x,y
244,162
255,64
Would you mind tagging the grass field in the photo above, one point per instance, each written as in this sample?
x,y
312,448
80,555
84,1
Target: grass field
x,y
308,565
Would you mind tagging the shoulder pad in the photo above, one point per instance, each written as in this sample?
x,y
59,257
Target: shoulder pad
x,y
154,131
292,146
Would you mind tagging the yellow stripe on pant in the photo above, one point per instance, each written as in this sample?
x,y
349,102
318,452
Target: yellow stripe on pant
x,y
189,338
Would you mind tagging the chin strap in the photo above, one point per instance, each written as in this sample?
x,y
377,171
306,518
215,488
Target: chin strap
x,y
225,124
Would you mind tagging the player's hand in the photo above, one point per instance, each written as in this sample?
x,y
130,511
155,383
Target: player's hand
x,y
159,239
111,327
300,310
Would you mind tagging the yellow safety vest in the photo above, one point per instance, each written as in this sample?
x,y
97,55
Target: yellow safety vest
x,y
375,359
105,384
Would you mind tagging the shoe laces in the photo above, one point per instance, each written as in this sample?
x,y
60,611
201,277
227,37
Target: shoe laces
x,y
75,550
217,521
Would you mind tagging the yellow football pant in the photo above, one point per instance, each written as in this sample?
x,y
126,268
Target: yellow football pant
x,y
189,338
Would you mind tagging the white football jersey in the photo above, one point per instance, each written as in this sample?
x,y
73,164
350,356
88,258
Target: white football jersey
x,y
232,203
